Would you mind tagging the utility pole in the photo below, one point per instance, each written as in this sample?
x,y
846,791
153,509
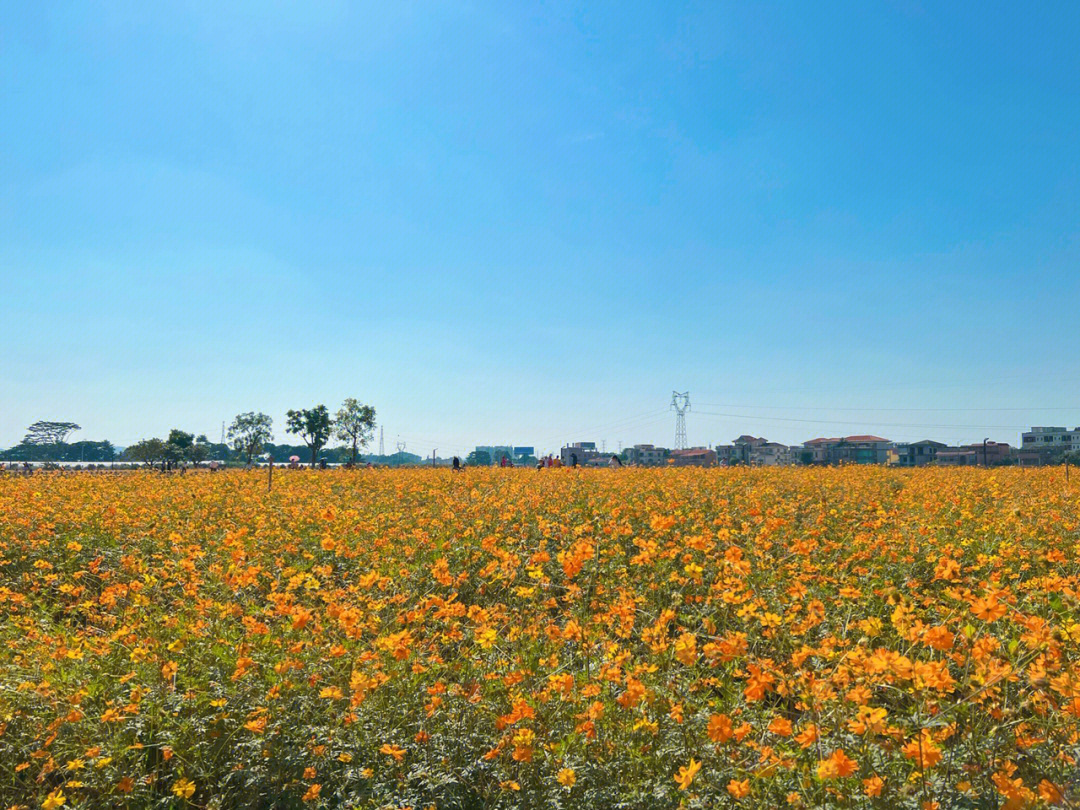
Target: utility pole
x,y
433,456
680,403
382,449
985,464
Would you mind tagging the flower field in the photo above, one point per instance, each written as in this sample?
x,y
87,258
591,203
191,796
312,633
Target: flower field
x,y
852,637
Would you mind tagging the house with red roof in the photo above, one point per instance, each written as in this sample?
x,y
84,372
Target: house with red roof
x,y
860,449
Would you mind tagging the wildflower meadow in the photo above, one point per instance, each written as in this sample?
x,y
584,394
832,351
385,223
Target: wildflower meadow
x,y
846,637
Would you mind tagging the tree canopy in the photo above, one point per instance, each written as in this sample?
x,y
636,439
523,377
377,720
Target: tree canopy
x,y
46,432
354,424
148,451
313,426
249,432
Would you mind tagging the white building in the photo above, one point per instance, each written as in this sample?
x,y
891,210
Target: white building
x,y
646,455
771,454
1052,440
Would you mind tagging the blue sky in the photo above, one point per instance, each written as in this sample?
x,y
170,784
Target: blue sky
x,y
529,223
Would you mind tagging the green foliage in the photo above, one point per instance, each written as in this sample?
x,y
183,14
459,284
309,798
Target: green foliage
x,y
249,432
46,432
148,452
478,458
313,425
354,424
178,445
85,451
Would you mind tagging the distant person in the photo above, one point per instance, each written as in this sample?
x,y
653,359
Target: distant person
x,y
556,462
322,463
614,462
456,464
573,459
540,464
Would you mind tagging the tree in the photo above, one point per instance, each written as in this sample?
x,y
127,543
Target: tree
x,y
249,432
45,433
479,458
178,445
199,450
147,451
355,424
313,425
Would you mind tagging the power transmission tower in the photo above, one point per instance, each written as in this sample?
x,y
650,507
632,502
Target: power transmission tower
x,y
680,403
382,448
400,445
223,433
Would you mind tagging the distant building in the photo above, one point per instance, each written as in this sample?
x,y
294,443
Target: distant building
x,y
957,457
740,450
915,454
646,455
992,454
580,453
694,457
860,449
995,454
816,451
1051,441
1035,458
771,454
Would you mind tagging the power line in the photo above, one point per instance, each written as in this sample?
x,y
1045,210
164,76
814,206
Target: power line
x,y
885,410
849,422
620,424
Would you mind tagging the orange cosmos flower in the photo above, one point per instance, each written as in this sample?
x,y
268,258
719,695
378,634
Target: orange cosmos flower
x,y
687,773
719,728
873,786
739,790
838,765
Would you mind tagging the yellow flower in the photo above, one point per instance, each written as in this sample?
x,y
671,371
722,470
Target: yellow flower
x,y
566,777
54,800
686,648
183,788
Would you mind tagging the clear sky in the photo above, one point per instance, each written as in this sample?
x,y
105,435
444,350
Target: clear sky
x,y
512,222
